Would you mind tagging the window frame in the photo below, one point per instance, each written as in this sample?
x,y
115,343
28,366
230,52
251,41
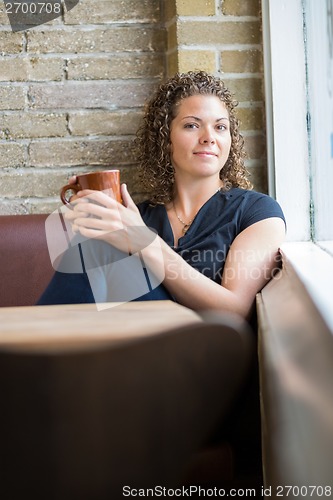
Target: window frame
x,y
286,112
319,49
289,142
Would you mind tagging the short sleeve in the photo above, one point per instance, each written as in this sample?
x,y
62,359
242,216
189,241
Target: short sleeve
x,y
259,207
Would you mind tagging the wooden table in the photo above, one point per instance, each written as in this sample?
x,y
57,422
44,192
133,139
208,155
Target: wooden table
x,y
67,326
93,400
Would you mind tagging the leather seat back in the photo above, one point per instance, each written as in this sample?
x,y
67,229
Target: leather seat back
x,y
25,266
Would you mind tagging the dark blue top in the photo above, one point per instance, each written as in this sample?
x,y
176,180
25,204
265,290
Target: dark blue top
x,y
216,225
204,246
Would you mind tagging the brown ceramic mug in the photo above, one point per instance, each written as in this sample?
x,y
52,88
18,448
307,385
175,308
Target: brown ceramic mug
x,y
105,180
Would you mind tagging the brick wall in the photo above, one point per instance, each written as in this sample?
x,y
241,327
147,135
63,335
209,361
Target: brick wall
x,y
72,90
224,37
71,94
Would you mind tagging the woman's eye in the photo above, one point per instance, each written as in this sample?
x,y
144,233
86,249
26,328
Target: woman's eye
x,y
190,125
222,127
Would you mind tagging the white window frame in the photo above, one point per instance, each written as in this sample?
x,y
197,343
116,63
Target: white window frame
x,y
286,111
288,146
319,34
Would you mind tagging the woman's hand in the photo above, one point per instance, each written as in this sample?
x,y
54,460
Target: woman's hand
x,y
96,215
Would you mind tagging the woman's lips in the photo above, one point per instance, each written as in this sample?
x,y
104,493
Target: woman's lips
x,y
205,153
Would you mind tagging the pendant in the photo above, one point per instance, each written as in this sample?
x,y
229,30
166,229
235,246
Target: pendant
x,y
186,228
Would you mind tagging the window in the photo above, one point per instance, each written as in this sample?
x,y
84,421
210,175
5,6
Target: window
x,y
298,65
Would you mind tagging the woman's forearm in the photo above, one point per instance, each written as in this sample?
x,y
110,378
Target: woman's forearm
x,y
187,285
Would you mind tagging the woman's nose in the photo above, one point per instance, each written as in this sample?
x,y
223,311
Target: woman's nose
x,y
207,138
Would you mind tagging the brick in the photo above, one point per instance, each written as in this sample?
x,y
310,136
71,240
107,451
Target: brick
x,y
64,153
115,123
258,177
13,207
12,155
19,69
246,89
117,39
115,66
218,32
30,183
11,43
241,7
12,97
13,69
32,125
254,146
106,11
46,69
241,61
197,60
42,206
251,118
76,95
197,8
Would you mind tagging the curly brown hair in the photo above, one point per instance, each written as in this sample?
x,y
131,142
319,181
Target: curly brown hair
x,y
153,137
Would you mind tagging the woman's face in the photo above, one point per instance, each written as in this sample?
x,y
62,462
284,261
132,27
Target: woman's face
x,y
200,136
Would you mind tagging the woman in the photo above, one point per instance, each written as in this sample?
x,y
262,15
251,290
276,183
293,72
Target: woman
x,y
216,241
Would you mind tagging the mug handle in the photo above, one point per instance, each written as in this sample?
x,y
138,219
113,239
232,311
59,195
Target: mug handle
x,y
68,187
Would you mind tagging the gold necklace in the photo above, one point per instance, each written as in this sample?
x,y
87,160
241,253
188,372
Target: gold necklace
x,y
187,225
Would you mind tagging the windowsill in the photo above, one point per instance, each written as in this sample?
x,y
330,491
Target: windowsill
x,y
295,362
313,264
327,246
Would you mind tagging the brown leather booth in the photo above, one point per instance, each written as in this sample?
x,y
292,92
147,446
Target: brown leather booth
x,y
25,266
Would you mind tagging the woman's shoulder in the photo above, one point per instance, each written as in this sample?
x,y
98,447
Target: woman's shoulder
x,y
248,194
251,197
254,205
